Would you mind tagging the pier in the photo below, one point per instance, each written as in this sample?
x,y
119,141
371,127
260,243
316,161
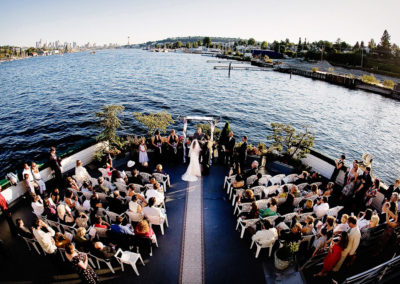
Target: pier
x,y
247,68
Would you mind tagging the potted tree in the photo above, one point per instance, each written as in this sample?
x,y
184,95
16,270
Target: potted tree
x,y
285,255
109,123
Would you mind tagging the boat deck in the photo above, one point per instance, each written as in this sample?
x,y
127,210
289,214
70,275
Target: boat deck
x,y
214,255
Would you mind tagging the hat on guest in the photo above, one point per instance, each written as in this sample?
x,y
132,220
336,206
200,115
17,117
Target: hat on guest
x,y
131,164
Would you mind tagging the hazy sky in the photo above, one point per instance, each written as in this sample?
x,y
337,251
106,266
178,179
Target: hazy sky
x,y
24,22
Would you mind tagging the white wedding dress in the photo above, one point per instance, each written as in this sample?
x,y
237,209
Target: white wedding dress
x,y
193,171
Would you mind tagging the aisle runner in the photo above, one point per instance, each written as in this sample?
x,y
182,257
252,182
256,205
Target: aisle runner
x,y
192,258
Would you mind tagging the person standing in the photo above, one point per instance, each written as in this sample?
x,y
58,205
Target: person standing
x,y
7,213
229,147
243,153
80,263
339,165
354,241
55,165
199,135
156,141
143,158
223,140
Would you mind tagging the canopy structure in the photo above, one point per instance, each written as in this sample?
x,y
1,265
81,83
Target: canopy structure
x,y
212,120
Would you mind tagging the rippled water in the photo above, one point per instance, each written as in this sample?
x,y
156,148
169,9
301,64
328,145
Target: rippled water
x,y
51,101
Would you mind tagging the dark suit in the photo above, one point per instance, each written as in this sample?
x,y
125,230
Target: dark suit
x,y
55,165
117,205
243,155
229,147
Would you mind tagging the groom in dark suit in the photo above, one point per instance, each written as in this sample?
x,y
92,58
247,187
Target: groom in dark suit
x,y
243,153
229,147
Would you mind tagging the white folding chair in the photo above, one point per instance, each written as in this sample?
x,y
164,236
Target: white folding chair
x,y
334,211
31,242
106,261
290,178
238,191
120,186
264,180
161,178
259,246
289,217
258,190
277,179
128,257
157,220
134,217
104,174
244,224
301,186
145,177
251,179
112,216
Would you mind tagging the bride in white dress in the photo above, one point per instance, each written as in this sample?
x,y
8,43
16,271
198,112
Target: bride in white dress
x,y
193,171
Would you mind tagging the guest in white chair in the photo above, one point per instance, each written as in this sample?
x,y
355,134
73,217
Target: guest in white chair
x,y
81,174
267,235
154,192
37,205
151,211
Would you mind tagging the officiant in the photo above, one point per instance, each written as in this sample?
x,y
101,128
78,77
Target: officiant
x,y
206,151
199,136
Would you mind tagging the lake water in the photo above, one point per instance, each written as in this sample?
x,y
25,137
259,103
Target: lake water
x,y
51,101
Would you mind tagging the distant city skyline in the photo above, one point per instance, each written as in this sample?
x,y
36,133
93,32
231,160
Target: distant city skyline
x,y
102,22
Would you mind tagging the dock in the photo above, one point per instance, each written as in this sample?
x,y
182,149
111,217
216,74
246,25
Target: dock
x,y
247,68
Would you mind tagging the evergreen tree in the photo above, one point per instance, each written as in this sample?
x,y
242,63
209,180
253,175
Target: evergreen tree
x,y
384,46
299,45
371,44
356,46
207,41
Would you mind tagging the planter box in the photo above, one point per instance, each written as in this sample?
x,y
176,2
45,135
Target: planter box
x,y
280,168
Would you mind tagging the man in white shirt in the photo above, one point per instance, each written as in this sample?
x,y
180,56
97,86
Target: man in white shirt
x,y
27,170
37,205
321,208
266,236
45,239
155,193
151,211
354,241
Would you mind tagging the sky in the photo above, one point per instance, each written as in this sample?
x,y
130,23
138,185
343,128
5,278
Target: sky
x,y
23,22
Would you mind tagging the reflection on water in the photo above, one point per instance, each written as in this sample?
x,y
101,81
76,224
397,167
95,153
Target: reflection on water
x,y
51,100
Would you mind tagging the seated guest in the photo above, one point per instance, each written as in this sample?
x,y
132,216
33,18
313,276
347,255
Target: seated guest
x,y
55,196
313,192
159,169
247,197
364,219
71,200
253,213
71,183
314,177
308,228
103,251
321,208
284,192
85,203
65,216
343,226
320,242
308,206
80,239
334,254
132,192
287,206
295,191
86,187
119,228
154,192
267,235
238,182
294,235
252,171
372,192
366,231
117,177
45,239
135,177
61,240
82,220
271,208
329,226
257,181
329,189
37,205
392,188
99,223
95,201
134,206
22,230
144,230
116,203
150,210
101,187
302,178
50,210
81,174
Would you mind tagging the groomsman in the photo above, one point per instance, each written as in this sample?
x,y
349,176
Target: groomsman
x,y
229,147
199,135
55,165
243,153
